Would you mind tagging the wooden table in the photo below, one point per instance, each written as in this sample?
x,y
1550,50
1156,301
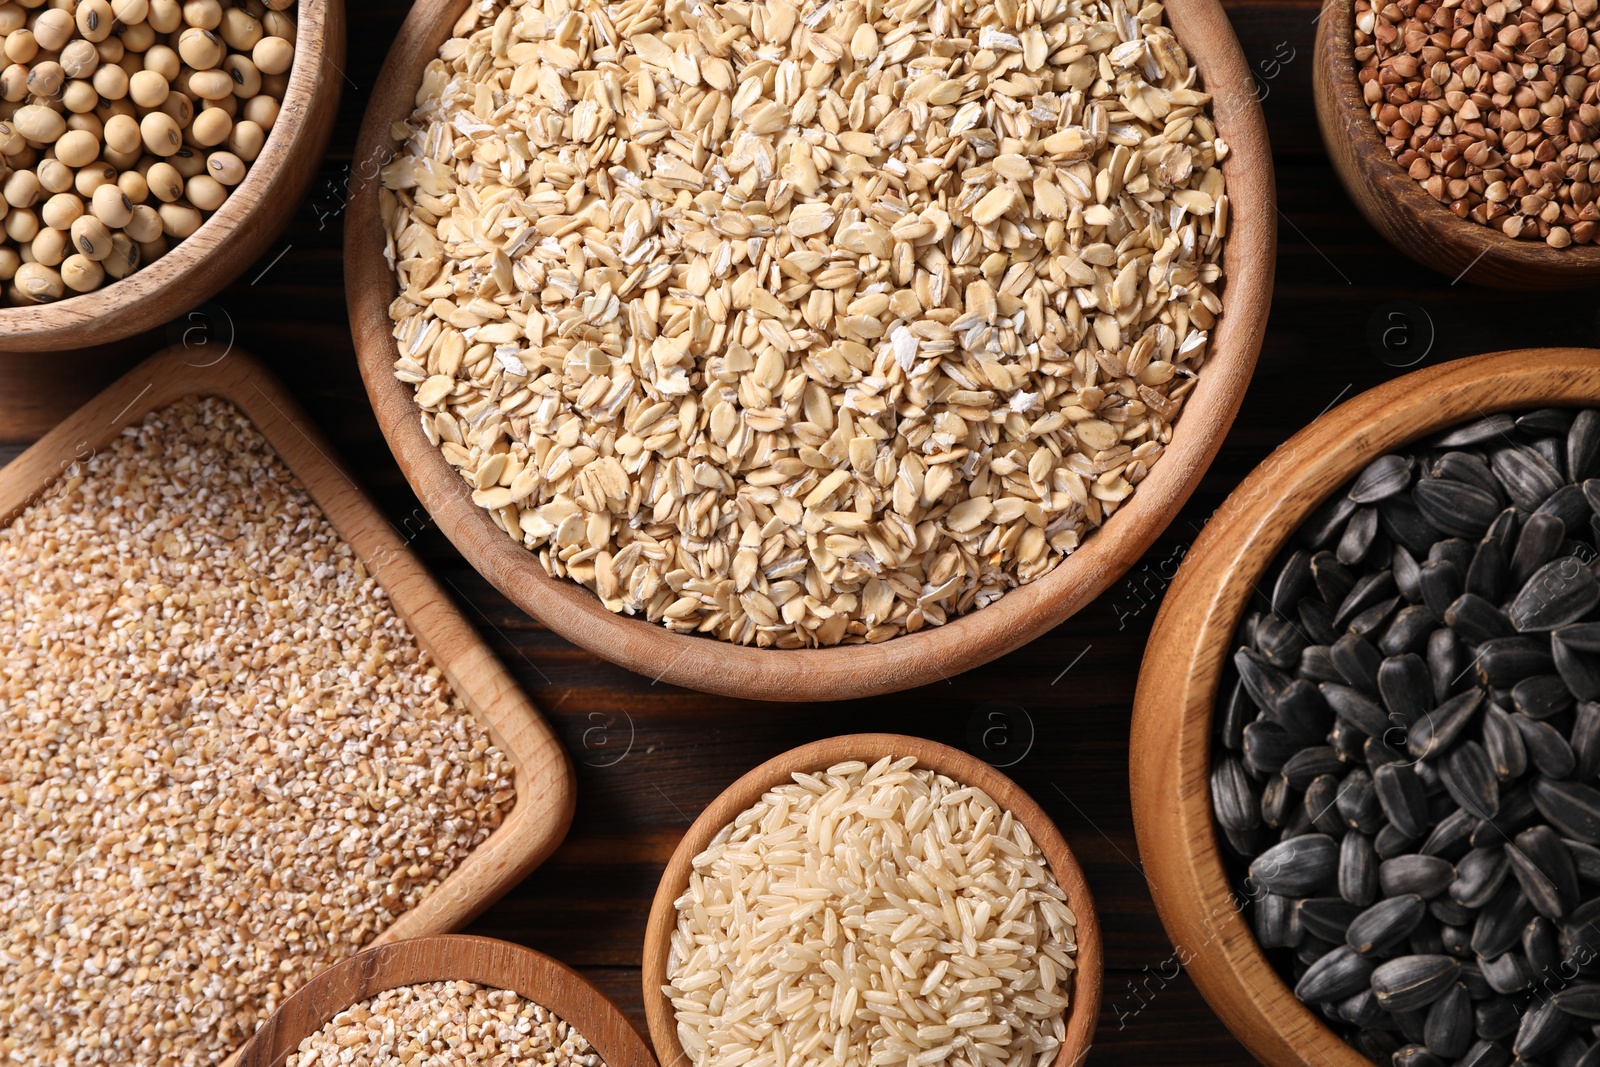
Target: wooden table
x,y
1350,312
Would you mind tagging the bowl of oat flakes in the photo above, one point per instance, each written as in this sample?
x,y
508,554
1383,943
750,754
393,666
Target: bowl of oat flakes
x,y
816,351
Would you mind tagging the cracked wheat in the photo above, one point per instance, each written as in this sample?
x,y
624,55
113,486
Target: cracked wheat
x,y
224,761
801,325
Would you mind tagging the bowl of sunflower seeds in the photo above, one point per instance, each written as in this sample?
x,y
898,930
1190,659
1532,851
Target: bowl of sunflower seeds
x,y
1366,738
813,350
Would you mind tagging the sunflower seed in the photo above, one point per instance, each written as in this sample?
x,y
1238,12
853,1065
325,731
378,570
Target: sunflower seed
x,y
1316,664
1470,468
1326,523
1560,592
1339,974
1455,508
1547,749
1385,924
1507,972
1447,662
1293,580
1362,1010
1277,921
1448,1032
1369,590
1541,696
1489,575
1409,632
1505,661
1316,618
1470,779
1265,683
1478,876
1297,867
1405,687
1528,477
1581,1000
1578,667
1539,542
1500,922
1382,478
1415,1055
1401,796
1542,1029
1280,641
1411,982
1407,574
1492,1020
1266,747
1540,947
1358,536
1357,801
1476,620
1404,524
1391,842
1232,795
1487,428
1451,914
1358,870
1583,446
1503,743
1358,661
1436,730
1327,917
1586,858
1426,876
1571,807
1545,870
1309,763
1322,805
1441,583
1568,505
1586,741
1451,836
1517,812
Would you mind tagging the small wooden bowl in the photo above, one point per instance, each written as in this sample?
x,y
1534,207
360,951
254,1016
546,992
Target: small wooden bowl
x,y
845,671
235,235
1083,1008
1396,204
496,964
1194,634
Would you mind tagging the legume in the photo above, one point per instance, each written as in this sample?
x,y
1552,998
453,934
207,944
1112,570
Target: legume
x,y
97,97
224,762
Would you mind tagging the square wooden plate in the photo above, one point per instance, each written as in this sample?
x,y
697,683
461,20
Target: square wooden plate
x,y
544,780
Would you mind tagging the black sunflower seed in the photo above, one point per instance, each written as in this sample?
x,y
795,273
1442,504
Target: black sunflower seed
x,y
1572,807
1441,582
1545,870
1578,667
1426,876
1316,618
1542,1029
1448,1032
1405,686
1500,921
1341,973
1568,505
1383,477
1327,521
1478,876
1277,921
1327,917
1302,711
1369,591
1405,525
1447,663
1316,664
1560,592
1264,682
1586,858
1391,841
1276,799
1322,805
1357,801
1451,836
1358,869
1294,579
1400,793
1583,446
1357,539
1506,973
1361,1010
1470,779
1540,542
1357,660
1540,946
1586,741
1476,620
1436,730
1489,574
1470,468
1408,631
1411,982
1493,1020
1517,812
1233,796
1333,579
1456,508
1349,742
1503,742
1280,641
1452,915
1266,747
1547,749
1385,924
1415,1055
1581,1000
1297,867
1487,428
1308,763
1407,574
1505,661
1541,696
1528,477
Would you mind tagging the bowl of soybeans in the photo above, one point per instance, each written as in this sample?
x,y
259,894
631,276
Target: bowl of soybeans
x,y
150,151
1366,734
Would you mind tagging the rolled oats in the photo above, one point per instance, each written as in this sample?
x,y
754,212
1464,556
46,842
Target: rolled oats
x,y
800,325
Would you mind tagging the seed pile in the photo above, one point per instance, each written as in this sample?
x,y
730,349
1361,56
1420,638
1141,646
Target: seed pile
x,y
872,915
805,325
123,124
1493,107
445,1024
224,762
1408,755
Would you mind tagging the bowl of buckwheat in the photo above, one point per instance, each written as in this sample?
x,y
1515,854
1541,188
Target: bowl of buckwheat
x,y
816,350
150,151
1467,133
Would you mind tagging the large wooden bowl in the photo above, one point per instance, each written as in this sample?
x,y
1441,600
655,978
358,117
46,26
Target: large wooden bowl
x,y
858,670
1396,204
1083,998
496,964
1194,635
231,238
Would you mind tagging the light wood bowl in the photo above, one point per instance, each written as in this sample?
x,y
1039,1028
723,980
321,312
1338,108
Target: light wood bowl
x,y
1083,1007
496,964
1396,204
231,238
857,670
1194,635
545,785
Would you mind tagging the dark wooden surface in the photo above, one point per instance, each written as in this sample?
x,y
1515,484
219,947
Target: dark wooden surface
x,y
650,756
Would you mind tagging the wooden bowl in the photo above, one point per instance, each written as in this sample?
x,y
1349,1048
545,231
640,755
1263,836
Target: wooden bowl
x,y
847,671
1396,204
1084,998
498,964
1194,635
235,235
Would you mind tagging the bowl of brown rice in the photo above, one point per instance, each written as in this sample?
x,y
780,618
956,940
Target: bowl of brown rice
x,y
450,999
809,350
879,899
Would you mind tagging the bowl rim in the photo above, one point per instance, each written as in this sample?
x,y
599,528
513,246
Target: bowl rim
x,y
841,671
1337,63
486,961
1084,1000
1170,744
318,24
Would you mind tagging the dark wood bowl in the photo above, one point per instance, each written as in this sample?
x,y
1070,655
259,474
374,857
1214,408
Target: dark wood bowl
x,y
842,671
1194,634
495,964
1083,1007
1396,204
232,237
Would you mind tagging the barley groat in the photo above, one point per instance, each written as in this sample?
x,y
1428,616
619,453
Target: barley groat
x,y
224,761
805,325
